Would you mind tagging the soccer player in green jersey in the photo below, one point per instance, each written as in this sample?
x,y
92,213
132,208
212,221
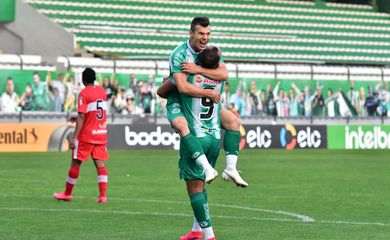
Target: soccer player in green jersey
x,y
203,116
183,62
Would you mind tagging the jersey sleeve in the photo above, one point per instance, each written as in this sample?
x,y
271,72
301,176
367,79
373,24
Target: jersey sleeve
x,y
82,104
175,61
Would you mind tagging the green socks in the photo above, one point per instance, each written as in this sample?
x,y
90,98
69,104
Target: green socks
x,y
231,142
201,209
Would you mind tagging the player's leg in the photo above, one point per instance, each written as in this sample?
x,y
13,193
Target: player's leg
x,y
190,142
71,179
100,155
80,154
193,174
231,143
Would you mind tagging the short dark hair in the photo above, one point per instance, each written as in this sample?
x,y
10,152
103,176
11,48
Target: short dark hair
x,y
202,21
89,75
209,58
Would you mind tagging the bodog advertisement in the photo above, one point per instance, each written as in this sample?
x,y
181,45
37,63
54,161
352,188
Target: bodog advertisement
x,y
35,137
143,136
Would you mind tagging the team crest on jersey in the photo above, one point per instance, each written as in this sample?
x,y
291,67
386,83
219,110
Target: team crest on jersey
x,y
176,110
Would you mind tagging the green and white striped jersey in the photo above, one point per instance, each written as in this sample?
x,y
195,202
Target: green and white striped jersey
x,y
182,53
202,114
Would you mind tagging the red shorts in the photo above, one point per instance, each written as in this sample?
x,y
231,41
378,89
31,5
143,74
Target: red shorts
x,y
83,150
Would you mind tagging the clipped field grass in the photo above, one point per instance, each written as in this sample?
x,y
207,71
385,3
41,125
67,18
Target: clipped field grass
x,y
303,194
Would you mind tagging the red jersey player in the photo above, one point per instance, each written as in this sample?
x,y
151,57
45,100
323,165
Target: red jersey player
x,y
90,136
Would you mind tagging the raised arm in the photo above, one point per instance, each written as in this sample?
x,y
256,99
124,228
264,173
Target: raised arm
x,y
296,89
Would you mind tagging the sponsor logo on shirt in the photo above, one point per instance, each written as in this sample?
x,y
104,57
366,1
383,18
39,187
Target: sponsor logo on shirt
x,y
100,131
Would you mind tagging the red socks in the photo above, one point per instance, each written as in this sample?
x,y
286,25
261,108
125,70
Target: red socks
x,y
102,180
73,174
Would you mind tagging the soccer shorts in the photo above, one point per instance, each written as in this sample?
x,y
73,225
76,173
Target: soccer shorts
x,y
83,150
188,168
174,111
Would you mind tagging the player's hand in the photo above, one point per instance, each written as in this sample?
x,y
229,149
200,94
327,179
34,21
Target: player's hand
x,y
191,68
73,119
165,79
71,144
214,95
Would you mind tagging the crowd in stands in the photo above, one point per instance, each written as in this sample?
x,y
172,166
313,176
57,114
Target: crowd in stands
x,y
295,102
60,95
139,97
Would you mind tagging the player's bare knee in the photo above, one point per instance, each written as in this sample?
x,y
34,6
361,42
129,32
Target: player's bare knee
x,y
235,124
181,126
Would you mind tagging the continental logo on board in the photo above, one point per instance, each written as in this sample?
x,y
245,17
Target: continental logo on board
x,y
22,136
34,137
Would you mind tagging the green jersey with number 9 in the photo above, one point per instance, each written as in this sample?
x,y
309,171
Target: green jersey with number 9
x,y
202,114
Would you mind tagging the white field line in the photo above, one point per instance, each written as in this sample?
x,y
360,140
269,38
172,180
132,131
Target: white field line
x,y
302,218
290,214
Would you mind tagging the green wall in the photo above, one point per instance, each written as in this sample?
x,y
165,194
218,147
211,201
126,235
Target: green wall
x,y
7,10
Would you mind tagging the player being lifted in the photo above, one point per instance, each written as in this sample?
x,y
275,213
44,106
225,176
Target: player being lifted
x,y
90,136
183,61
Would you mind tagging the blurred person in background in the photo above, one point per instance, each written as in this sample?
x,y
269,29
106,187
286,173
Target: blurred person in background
x,y
27,99
226,95
281,101
133,84
353,95
361,109
292,103
303,102
146,98
331,103
9,99
59,84
57,100
72,90
371,103
109,88
318,102
271,104
120,101
308,102
41,93
239,101
254,96
130,108
263,107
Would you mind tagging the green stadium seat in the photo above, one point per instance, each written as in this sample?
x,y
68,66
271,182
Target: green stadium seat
x,y
264,30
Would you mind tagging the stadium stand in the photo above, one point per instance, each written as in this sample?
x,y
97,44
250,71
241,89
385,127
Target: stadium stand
x,y
297,31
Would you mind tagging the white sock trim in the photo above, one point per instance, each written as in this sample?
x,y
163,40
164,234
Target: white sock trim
x,y
196,227
202,161
71,180
208,232
231,161
102,178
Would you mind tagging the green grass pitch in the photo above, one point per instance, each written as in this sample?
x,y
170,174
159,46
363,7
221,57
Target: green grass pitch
x,y
303,194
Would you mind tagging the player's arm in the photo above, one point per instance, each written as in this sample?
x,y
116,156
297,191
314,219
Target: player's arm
x,y
165,89
218,74
185,87
79,125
